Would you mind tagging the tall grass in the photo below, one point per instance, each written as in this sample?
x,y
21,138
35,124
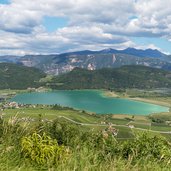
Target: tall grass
x,y
81,150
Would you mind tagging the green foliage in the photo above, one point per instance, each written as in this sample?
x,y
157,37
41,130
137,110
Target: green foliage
x,y
160,118
42,149
1,127
59,107
61,145
146,146
65,133
15,76
13,131
113,78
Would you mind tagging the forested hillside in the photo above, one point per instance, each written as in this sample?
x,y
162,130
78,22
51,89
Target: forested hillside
x,y
14,76
107,78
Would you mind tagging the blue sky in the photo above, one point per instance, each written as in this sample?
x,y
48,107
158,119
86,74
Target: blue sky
x,y
54,23
42,27
162,43
4,1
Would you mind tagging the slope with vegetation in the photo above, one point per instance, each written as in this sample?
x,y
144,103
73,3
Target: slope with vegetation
x,y
62,145
107,78
14,76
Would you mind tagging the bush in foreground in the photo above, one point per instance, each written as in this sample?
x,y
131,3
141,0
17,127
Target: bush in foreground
x,y
42,149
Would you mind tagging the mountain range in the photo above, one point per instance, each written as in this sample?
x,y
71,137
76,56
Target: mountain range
x,y
56,64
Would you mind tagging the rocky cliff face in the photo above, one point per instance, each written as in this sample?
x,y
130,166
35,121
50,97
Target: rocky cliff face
x,y
56,65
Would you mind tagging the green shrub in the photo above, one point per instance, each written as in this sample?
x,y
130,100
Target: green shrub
x,y
42,149
65,132
146,145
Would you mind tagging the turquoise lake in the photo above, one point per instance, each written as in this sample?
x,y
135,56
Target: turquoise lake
x,y
89,100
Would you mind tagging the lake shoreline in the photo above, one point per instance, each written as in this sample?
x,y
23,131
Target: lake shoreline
x,y
80,99
146,100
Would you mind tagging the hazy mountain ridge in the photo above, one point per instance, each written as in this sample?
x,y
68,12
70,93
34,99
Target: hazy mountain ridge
x,y
9,59
56,64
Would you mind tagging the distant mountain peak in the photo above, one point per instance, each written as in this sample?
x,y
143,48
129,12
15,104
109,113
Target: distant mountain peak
x,y
154,53
108,49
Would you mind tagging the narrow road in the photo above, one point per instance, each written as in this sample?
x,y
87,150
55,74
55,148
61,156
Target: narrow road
x,y
88,124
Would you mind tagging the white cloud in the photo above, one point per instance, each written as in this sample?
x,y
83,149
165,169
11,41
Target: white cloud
x,y
65,39
93,24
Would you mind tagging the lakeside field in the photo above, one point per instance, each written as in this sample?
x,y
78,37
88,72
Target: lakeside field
x,y
159,97
156,122
125,124
142,95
